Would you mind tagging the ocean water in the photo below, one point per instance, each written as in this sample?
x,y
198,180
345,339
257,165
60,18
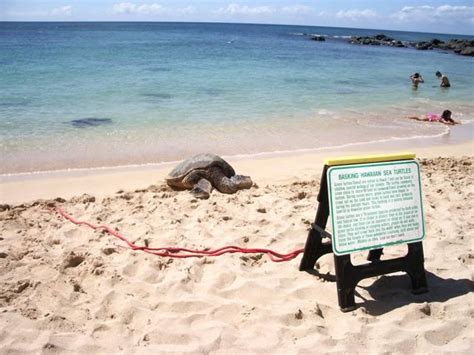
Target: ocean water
x,y
85,95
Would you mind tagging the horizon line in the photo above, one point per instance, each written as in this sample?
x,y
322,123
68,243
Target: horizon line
x,y
230,23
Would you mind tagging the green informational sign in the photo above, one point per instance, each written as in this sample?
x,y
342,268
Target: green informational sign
x,y
375,205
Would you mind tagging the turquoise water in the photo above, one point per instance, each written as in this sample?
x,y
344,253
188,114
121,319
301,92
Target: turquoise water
x,y
164,91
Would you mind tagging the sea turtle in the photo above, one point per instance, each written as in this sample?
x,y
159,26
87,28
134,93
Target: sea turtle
x,y
203,172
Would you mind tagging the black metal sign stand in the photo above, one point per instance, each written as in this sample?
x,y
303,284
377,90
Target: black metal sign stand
x,y
348,275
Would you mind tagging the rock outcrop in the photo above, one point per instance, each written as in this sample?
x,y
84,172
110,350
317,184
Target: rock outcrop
x,y
459,46
377,40
317,38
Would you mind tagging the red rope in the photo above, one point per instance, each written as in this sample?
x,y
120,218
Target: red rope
x,y
176,252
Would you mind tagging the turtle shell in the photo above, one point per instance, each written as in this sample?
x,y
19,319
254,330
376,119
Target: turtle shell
x,y
200,161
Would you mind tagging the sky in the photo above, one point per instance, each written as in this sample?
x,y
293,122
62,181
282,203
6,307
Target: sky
x,y
438,16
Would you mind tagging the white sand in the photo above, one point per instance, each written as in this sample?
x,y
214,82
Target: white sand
x,y
65,288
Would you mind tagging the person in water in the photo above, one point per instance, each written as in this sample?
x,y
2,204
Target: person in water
x,y
432,117
444,80
416,79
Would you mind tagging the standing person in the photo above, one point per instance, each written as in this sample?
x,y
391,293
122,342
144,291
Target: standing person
x,y
416,79
444,80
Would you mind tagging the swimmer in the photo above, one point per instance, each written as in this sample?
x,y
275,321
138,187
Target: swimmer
x,y
416,79
444,80
432,117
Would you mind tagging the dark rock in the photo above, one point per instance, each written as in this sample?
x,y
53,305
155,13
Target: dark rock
x,y
423,45
317,38
452,43
469,51
378,40
443,45
436,42
382,37
459,46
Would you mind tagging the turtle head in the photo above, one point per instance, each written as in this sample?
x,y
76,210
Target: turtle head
x,y
242,182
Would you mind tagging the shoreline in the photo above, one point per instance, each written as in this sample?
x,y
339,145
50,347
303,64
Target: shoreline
x,y
311,132
263,168
451,135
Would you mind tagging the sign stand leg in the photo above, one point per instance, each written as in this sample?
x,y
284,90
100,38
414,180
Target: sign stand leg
x,y
346,282
314,247
374,255
416,268
348,275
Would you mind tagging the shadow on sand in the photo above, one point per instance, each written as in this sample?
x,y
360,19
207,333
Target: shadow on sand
x,y
393,291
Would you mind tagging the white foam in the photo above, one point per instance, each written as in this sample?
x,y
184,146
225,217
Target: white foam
x,y
325,112
326,148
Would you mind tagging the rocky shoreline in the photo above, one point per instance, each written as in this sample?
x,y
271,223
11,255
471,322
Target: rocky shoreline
x,y
459,46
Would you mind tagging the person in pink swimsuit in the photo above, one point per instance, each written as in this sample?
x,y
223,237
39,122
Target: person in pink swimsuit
x,y
432,117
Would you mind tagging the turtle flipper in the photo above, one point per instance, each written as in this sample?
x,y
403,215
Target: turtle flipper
x,y
202,189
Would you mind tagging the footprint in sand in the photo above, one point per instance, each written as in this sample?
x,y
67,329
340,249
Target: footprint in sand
x,y
73,260
130,269
444,334
224,280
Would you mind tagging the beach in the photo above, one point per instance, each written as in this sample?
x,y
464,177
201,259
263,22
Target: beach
x,y
70,289
95,115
